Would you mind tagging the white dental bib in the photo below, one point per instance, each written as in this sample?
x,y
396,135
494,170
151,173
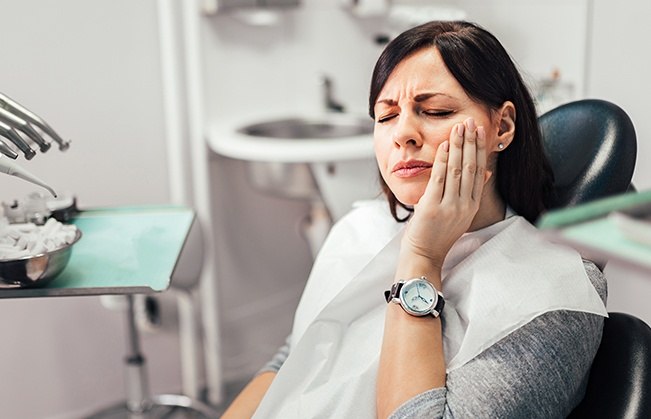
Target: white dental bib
x,y
495,280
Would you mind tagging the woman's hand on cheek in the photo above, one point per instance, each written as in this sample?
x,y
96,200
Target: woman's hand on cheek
x,y
452,196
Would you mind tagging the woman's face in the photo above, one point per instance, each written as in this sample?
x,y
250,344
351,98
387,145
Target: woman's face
x,y
415,112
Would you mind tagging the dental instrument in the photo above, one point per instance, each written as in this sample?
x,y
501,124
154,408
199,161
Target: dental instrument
x,y
24,127
16,117
10,133
13,169
7,151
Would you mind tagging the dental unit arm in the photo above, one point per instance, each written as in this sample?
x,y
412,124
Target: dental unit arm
x,y
15,120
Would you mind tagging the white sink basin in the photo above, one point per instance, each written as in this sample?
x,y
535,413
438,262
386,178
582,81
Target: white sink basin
x,y
327,158
310,128
295,139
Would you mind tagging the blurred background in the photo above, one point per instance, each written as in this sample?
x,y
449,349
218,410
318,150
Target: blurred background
x,y
151,93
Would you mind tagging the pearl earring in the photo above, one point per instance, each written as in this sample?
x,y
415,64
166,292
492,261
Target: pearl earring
x,y
500,146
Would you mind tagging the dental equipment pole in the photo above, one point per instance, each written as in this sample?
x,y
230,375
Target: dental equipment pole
x,y
192,42
139,403
136,379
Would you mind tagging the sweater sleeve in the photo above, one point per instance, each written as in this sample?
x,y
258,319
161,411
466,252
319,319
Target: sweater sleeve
x,y
538,371
278,359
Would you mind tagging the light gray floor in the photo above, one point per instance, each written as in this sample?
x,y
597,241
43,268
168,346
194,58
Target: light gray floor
x,y
231,390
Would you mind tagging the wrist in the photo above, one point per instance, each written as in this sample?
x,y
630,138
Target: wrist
x,y
426,256
414,266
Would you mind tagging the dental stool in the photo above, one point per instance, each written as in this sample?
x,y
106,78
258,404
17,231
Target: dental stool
x,y
139,404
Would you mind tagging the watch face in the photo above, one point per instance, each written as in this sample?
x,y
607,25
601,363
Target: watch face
x,y
418,296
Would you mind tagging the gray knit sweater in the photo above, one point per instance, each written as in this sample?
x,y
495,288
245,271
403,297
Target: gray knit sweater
x,y
538,371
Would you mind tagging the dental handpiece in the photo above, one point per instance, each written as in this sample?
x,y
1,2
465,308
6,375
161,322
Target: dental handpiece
x,y
11,168
11,134
24,127
15,108
7,151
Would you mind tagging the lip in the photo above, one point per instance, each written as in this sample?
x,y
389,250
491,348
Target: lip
x,y
410,168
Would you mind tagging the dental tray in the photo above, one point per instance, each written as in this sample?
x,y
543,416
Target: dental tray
x,y
634,225
613,228
124,250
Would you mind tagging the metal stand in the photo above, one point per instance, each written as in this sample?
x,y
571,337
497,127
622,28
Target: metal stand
x,y
139,404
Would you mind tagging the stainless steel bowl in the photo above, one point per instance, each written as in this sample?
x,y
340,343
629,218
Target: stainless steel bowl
x,y
37,270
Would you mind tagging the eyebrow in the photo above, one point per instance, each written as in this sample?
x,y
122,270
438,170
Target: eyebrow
x,y
418,98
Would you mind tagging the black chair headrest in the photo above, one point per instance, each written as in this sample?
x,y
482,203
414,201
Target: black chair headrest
x,y
591,145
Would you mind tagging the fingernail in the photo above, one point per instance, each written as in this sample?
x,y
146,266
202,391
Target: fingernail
x,y
471,124
460,130
481,133
446,146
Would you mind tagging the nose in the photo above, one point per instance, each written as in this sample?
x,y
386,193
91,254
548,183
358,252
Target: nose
x,y
407,132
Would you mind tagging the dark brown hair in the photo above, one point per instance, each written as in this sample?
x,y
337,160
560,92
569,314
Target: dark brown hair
x,y
487,74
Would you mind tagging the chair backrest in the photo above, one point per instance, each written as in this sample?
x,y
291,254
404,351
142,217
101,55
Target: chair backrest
x,y
592,147
619,385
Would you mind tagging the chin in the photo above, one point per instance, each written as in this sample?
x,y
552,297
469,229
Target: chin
x,y
409,195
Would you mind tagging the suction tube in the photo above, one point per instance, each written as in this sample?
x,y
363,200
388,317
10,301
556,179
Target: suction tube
x,y
9,167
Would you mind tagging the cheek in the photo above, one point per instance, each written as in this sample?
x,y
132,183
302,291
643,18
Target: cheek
x,y
382,149
439,133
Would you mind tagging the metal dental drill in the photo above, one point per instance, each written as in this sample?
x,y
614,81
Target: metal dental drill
x,y
21,118
15,120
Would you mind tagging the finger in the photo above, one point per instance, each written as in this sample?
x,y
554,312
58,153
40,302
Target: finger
x,y
481,177
453,175
436,184
469,160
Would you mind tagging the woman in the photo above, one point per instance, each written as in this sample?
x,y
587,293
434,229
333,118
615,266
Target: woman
x,y
518,322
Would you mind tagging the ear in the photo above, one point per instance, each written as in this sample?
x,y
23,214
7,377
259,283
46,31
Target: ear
x,y
506,121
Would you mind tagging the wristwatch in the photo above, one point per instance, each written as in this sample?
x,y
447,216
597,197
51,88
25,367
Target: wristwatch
x,y
417,297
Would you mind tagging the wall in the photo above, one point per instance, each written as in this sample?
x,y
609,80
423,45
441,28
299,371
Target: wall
x,y
91,69
524,29
617,69
617,72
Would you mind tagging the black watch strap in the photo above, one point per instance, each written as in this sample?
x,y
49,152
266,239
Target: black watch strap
x,y
394,291
440,303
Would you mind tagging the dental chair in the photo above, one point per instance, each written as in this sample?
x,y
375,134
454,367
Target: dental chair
x,y
619,385
591,145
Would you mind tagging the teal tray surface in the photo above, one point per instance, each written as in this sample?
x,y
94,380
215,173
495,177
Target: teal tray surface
x,y
588,228
122,251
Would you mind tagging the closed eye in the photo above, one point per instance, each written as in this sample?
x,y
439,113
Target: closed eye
x,y
386,118
438,113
